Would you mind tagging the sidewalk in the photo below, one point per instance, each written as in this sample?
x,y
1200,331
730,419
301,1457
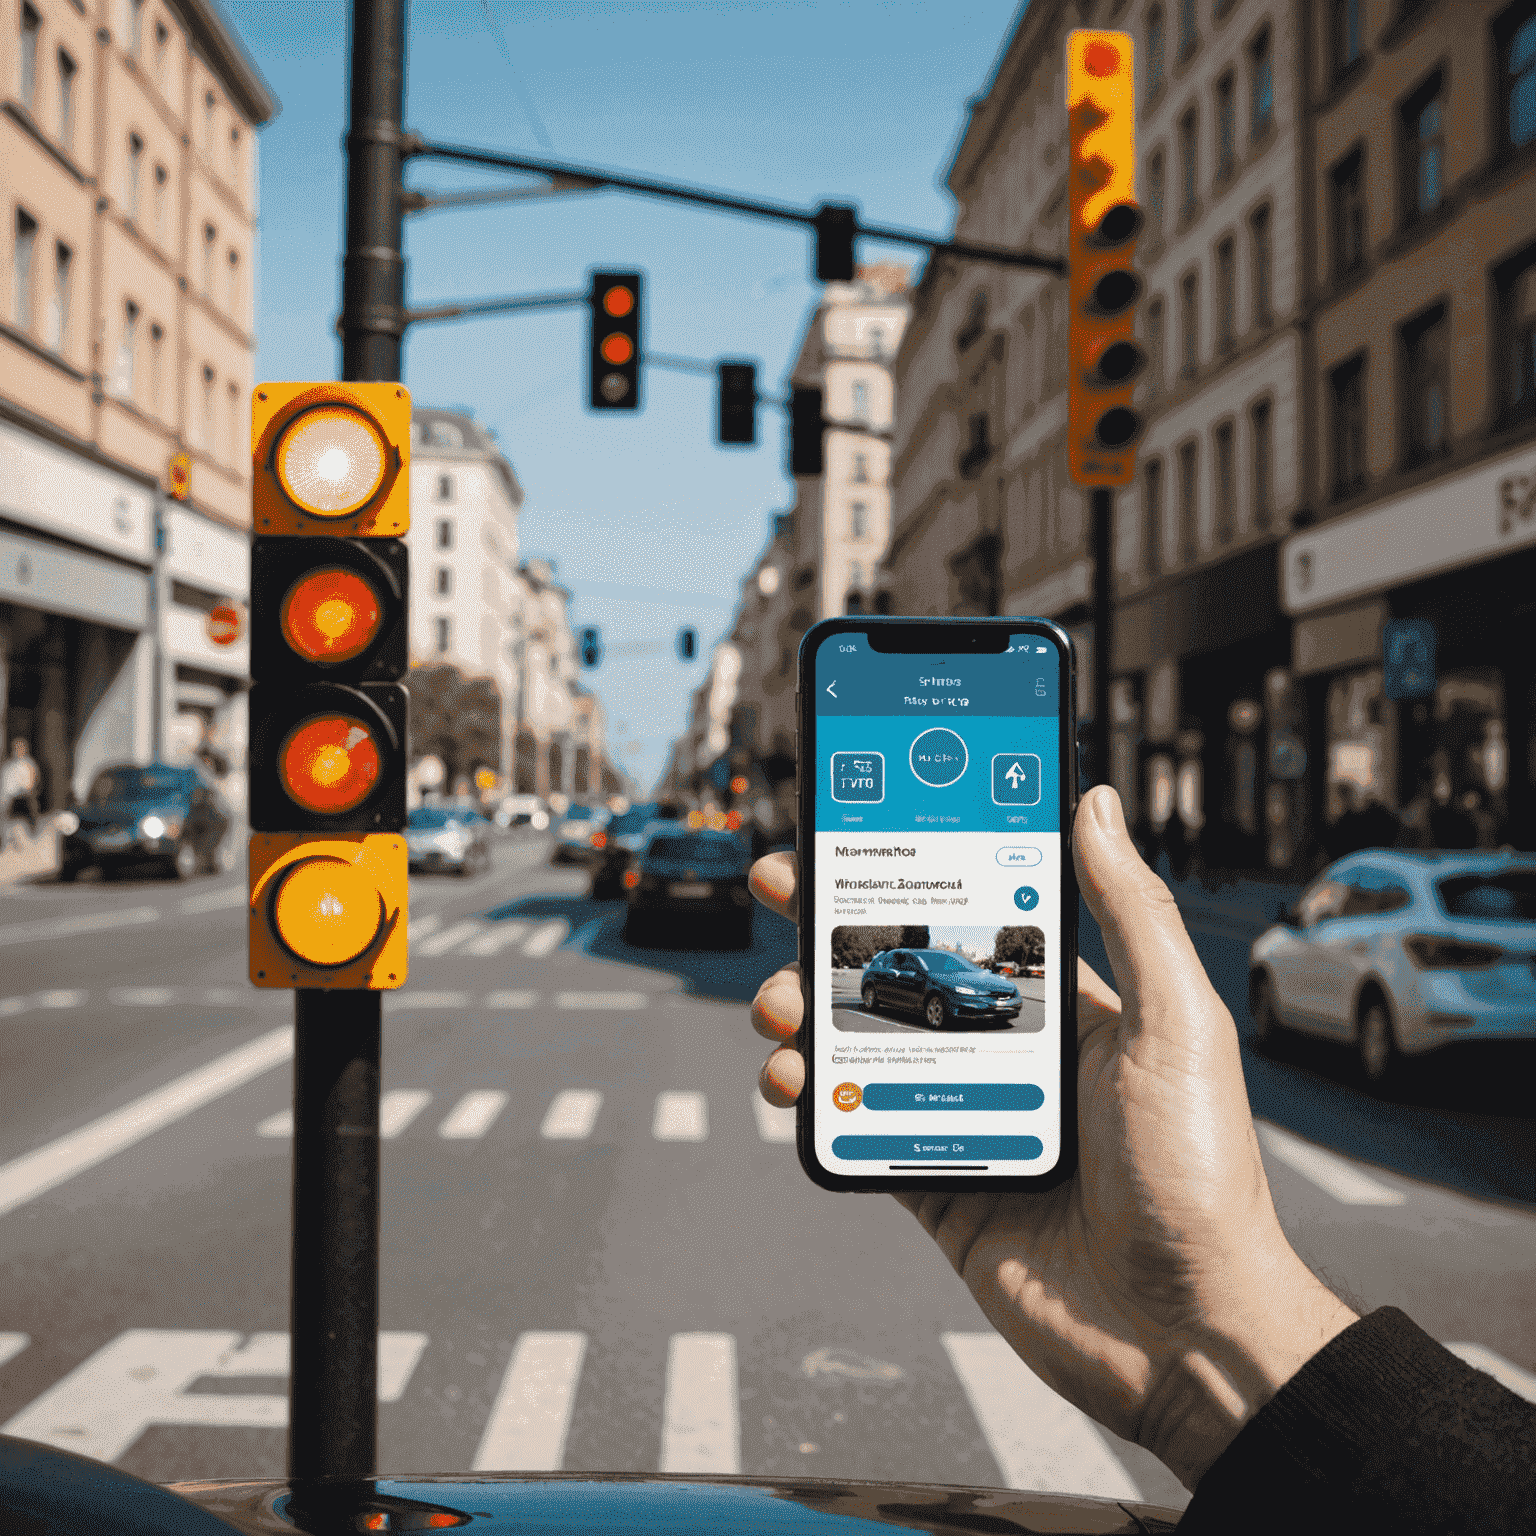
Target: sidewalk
x,y
35,856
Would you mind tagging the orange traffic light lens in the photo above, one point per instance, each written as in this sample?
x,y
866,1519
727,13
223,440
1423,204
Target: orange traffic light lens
x,y
617,349
327,912
330,616
618,301
330,763
331,461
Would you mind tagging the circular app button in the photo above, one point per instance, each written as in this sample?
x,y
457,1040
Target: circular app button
x,y
938,757
1026,898
847,1096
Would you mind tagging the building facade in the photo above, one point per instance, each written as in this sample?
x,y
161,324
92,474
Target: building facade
x,y
128,176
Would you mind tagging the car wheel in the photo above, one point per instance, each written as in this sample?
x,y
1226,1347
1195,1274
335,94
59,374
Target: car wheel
x,y
184,862
935,1013
1376,1042
1266,1022
868,997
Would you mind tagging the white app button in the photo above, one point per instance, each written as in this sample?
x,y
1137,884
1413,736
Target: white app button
x,y
1018,858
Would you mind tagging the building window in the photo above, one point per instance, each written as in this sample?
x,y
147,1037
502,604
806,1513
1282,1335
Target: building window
x,y
58,305
234,281
855,575
1152,508
26,243
31,26
1156,43
135,26
1423,137
236,422
122,374
860,400
444,581
1515,37
1262,420
210,102
1189,36
1261,237
162,39
1189,325
1226,125
156,367
1157,191
1426,395
135,173
1225,442
1516,339
861,468
1189,501
1189,179
876,342
1261,75
234,153
1347,386
444,634
1157,345
67,73
210,240
444,533
1226,294
162,177
858,520
1347,190
445,489
208,425
1344,32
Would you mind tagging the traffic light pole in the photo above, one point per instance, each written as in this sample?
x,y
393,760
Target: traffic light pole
x,y
1103,572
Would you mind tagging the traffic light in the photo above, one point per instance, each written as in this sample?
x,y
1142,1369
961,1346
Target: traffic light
x,y
328,715
179,474
805,428
1103,356
738,402
687,642
591,647
613,364
835,227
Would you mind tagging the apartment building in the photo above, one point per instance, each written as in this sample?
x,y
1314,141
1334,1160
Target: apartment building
x,y
128,181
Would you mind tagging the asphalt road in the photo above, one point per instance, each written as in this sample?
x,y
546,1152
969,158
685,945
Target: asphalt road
x,y
598,1249
849,1013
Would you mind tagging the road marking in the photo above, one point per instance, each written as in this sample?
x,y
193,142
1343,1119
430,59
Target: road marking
x,y
11,1345
532,1412
1037,1438
10,1006
421,927
597,1000
473,1115
1480,1357
547,937
414,1002
441,943
700,1422
223,997
571,1115
510,1000
680,1117
773,1124
278,1125
60,999
86,922
142,1378
27,1177
398,1108
496,939
141,997
215,901
1334,1175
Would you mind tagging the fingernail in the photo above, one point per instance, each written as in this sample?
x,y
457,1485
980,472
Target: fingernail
x,y
1106,811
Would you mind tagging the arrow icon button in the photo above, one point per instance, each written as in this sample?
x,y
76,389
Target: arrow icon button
x,y
832,687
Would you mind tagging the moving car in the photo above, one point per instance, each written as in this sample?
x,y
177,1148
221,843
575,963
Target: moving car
x,y
576,835
1401,953
625,836
942,988
523,811
160,813
447,837
682,880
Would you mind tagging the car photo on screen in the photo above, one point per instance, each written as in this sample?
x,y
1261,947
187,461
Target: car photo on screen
x,y
937,979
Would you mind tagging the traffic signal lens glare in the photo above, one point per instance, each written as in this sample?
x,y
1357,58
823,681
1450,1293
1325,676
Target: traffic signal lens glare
x,y
739,784
617,349
330,763
331,616
618,301
331,461
327,912
1101,59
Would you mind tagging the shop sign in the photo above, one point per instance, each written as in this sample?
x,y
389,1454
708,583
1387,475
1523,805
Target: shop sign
x,y
1408,658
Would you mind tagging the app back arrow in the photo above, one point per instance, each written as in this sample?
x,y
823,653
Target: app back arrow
x,y
832,687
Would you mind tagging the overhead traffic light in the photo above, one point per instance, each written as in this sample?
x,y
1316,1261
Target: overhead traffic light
x,y
328,716
835,226
687,643
591,647
613,363
1103,357
738,402
805,429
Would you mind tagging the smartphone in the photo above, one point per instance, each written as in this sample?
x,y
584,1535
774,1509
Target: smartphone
x,y
938,905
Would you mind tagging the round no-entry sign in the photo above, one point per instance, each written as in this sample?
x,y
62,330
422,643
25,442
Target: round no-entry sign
x,y
225,625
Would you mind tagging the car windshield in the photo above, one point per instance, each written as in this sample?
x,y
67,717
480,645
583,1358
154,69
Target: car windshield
x,y
694,850
634,820
439,816
1509,897
942,962
579,813
138,784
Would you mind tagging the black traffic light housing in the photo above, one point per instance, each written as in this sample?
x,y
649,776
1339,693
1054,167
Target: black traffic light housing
x,y
836,226
805,429
614,341
738,402
591,647
687,642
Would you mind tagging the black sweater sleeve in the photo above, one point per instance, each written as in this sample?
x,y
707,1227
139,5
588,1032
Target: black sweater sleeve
x,y
1383,1429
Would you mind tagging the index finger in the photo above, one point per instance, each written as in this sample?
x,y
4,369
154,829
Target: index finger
x,y
775,881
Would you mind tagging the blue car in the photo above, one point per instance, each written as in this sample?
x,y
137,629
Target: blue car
x,y
943,989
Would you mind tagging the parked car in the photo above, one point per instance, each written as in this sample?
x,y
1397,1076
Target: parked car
x,y
523,811
1402,953
160,813
943,989
447,838
576,832
684,880
624,837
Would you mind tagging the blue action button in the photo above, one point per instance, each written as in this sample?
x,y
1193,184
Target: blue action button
x,y
1015,778
941,1149
1026,898
858,777
953,1096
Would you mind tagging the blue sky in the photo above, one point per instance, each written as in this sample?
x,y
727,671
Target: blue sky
x,y
649,524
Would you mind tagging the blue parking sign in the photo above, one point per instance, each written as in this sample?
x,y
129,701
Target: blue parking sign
x,y
1408,658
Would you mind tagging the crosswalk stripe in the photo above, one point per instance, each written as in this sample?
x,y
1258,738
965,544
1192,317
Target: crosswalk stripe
x,y
87,922
441,943
700,1414
423,927
597,1000
1334,1175
473,1115
60,999
214,901
532,1412
680,1116
418,1002
1037,1438
773,1124
1481,1358
513,999
11,1345
545,938
496,939
571,1115
141,997
398,1108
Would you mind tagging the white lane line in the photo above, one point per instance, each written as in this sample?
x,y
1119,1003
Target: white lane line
x,y
773,1124
424,927
86,922
545,938
1332,1174
214,901
496,939
415,1002
1480,1357
473,1115
11,1006
61,999
142,1378
223,997
141,997
680,1117
571,1115
277,1126
398,1108
532,1412
597,1000
514,999
441,943
700,1423
27,1177
1037,1438
11,1345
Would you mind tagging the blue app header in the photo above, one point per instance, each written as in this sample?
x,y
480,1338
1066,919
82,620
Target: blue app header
x,y
852,679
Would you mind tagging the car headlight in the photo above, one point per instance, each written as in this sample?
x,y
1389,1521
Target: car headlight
x,y
539,821
160,826
67,823
969,991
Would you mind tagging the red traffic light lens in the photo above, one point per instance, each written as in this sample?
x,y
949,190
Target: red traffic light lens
x,y
329,763
618,301
617,349
330,616
1101,59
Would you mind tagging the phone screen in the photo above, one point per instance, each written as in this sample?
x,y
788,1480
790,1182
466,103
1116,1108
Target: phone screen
x,y
938,965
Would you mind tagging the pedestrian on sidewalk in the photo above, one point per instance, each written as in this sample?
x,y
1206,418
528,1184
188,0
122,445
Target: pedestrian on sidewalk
x,y
20,779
